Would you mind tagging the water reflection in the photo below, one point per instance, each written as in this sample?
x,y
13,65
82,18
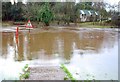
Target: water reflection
x,y
51,44
85,51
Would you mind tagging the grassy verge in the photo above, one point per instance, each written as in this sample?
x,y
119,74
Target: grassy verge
x,y
102,24
68,74
26,72
94,25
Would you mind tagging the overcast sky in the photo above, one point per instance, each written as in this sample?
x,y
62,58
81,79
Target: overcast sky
x,y
112,2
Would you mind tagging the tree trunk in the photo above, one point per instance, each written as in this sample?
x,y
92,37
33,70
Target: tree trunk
x,y
46,24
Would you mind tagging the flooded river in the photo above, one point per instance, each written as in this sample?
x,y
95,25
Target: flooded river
x,y
87,53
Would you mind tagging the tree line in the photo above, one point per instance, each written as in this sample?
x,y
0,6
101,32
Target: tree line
x,y
48,11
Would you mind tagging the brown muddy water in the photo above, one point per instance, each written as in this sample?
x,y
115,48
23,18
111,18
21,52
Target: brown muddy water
x,y
87,53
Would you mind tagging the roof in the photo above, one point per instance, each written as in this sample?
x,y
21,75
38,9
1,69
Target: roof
x,y
89,12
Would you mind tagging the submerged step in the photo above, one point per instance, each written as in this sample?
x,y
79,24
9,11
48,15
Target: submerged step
x,y
46,73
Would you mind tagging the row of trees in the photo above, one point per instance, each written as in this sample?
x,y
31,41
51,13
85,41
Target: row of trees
x,y
47,11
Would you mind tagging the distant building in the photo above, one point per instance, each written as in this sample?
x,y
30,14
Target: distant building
x,y
89,15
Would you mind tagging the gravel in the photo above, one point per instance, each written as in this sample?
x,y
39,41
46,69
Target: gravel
x,y
46,73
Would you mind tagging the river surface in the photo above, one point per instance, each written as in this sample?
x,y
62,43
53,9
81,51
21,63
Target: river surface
x,y
87,53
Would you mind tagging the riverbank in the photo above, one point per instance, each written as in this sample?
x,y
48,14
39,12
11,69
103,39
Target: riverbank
x,y
54,24
95,25
46,73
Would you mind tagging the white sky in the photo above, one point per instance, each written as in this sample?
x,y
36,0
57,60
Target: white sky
x,y
112,2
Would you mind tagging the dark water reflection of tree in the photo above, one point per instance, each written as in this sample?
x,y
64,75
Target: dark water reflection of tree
x,y
44,45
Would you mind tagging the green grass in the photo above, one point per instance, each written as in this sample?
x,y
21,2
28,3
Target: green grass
x,y
69,75
26,72
94,25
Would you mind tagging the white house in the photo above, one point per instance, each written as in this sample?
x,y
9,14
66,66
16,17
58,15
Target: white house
x,y
89,15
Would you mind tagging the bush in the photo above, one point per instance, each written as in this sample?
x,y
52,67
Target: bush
x,y
46,14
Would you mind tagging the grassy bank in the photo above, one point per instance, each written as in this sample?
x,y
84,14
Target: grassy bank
x,y
54,23
95,25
